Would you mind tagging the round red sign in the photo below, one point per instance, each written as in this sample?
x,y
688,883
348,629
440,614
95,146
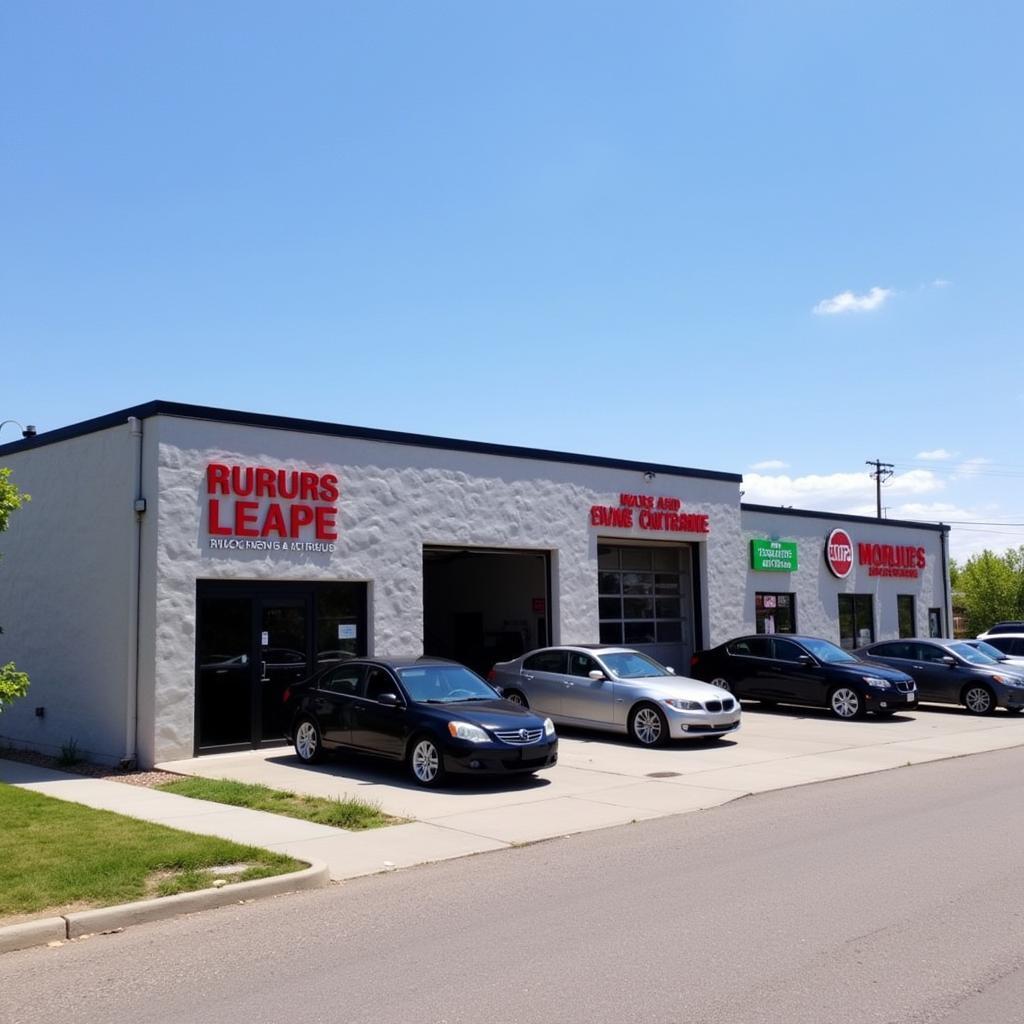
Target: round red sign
x,y
839,553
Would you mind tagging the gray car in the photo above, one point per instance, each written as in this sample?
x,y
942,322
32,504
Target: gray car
x,y
952,672
619,690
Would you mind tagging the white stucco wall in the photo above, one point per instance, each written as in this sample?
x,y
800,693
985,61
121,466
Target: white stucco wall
x,y
394,500
817,590
65,579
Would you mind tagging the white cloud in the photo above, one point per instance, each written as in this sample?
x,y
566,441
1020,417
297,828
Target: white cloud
x,y
771,464
847,302
936,455
834,492
969,468
941,282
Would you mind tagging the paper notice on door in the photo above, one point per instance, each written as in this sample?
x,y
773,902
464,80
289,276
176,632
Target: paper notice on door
x,y
347,632
264,638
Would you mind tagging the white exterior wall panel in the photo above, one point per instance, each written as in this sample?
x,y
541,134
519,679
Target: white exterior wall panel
x,y
65,578
817,590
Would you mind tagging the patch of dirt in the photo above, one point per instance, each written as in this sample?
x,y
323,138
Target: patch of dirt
x,y
132,777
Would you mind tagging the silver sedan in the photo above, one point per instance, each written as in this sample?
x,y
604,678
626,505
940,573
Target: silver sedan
x,y
617,689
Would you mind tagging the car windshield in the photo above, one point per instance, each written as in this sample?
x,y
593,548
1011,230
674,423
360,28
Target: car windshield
x,y
633,665
826,651
993,652
968,653
443,684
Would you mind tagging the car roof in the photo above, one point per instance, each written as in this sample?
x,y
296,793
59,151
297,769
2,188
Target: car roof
x,y
402,661
996,636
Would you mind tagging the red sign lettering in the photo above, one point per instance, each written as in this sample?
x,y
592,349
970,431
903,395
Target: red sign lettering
x,y
662,515
902,561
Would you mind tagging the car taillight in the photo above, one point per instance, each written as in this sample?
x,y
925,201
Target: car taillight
x,y
694,660
491,676
286,696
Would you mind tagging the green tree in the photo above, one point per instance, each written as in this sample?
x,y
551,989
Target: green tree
x,y
13,684
989,587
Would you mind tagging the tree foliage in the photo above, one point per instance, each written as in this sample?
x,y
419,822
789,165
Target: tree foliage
x,y
13,684
989,588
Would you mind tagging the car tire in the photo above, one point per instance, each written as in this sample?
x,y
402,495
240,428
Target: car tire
x,y
978,699
648,726
516,697
426,762
845,703
722,683
309,746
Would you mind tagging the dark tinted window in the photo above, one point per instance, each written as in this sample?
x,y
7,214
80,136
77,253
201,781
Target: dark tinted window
x,y
377,682
546,661
786,650
582,664
1011,645
894,650
344,680
751,647
928,652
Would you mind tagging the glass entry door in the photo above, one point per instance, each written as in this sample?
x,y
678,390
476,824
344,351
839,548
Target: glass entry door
x,y
254,640
283,651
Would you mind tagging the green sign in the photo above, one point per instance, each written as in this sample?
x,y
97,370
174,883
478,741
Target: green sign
x,y
773,555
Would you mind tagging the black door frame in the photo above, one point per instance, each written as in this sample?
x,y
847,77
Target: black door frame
x,y
261,593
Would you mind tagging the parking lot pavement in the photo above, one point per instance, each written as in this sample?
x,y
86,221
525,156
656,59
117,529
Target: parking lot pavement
x,y
603,780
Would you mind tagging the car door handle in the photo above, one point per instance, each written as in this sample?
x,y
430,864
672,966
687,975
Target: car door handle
x,y
525,676
567,683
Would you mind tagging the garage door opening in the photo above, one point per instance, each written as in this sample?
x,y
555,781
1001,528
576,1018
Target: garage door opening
x,y
482,605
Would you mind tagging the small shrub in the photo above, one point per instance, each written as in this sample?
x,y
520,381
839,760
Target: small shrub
x,y
69,754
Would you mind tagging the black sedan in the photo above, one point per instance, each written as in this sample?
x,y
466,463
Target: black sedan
x,y
804,670
436,716
951,672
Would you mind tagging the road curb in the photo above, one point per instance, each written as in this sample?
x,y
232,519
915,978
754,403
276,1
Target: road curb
x,y
105,919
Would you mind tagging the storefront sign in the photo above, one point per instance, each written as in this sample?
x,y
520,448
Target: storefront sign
x,y
839,553
255,508
773,555
647,512
904,561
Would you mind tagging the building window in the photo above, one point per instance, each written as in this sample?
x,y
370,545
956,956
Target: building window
x,y
644,595
856,620
935,622
905,613
775,613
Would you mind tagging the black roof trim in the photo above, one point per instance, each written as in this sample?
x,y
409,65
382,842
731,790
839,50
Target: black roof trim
x,y
252,419
838,517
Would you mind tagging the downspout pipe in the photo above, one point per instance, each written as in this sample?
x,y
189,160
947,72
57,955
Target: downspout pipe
x,y
946,595
131,723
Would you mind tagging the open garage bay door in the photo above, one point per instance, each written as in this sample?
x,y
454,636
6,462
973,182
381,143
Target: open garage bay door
x,y
482,605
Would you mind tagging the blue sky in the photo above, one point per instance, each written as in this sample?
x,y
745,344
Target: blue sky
x,y
643,230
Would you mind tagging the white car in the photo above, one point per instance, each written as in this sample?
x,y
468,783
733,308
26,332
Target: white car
x,y
619,690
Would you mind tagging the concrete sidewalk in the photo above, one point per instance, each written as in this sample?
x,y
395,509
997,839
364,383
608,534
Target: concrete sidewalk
x,y
600,781
347,854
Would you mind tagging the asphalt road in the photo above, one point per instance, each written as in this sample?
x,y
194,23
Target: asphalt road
x,y
896,897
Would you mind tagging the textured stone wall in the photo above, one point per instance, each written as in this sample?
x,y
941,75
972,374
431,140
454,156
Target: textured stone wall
x,y
394,500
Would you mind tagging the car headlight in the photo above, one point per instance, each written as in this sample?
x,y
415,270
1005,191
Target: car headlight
x,y
1009,680
877,682
465,731
683,705
549,727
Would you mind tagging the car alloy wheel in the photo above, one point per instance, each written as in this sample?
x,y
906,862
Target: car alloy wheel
x,y
845,703
979,700
307,742
425,763
722,684
648,726
515,697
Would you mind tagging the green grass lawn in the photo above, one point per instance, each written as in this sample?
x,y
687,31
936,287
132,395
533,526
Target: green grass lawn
x,y
55,854
349,814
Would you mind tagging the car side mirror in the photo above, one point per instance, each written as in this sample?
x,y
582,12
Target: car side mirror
x,y
806,660
389,700
596,674
948,659
670,670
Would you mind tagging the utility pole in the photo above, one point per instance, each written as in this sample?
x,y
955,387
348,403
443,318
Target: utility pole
x,y
883,470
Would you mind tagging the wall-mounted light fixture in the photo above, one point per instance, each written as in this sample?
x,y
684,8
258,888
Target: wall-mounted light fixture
x,y
649,476
29,431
